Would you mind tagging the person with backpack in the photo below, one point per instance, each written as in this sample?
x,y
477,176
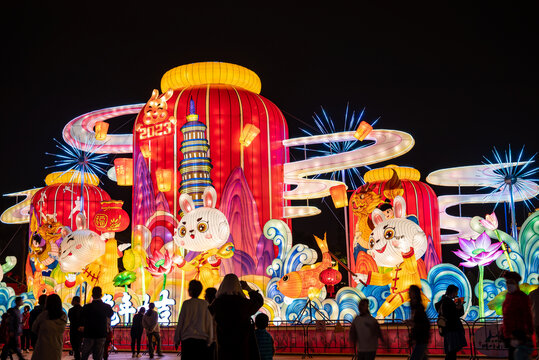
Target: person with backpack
x,y
14,331
450,309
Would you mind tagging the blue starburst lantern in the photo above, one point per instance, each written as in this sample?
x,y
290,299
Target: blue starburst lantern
x,y
513,179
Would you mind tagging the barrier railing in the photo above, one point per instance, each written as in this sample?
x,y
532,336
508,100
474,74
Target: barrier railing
x,y
331,337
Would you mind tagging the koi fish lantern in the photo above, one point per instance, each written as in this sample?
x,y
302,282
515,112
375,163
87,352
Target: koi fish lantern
x,y
395,243
307,281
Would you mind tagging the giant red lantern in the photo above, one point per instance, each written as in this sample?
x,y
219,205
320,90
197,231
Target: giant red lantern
x,y
193,131
63,201
421,201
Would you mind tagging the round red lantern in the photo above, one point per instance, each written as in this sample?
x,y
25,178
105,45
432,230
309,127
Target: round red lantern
x,y
111,217
330,277
62,200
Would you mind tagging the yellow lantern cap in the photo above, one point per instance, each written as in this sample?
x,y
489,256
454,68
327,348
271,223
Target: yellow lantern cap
x,y
385,174
71,176
203,73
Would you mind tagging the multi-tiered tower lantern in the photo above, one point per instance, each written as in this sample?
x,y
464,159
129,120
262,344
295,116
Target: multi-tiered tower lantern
x,y
195,166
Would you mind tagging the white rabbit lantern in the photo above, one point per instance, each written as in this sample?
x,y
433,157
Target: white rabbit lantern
x,y
80,247
202,228
395,243
206,230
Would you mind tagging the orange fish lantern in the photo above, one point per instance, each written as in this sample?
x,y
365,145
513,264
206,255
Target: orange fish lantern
x,y
330,277
306,282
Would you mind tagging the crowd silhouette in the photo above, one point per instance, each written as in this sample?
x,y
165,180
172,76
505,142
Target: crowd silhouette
x,y
221,325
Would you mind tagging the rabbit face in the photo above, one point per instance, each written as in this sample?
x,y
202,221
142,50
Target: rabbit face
x,y
79,248
203,228
393,237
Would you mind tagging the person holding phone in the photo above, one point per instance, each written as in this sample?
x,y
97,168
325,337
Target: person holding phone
x,y
232,312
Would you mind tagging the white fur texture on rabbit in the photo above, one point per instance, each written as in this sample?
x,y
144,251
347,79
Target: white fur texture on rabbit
x,y
203,228
393,237
80,247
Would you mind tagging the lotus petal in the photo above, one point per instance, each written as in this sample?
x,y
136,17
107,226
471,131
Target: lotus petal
x,y
467,246
483,241
461,254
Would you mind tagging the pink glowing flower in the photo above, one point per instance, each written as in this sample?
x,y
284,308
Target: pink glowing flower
x,y
479,251
159,264
490,222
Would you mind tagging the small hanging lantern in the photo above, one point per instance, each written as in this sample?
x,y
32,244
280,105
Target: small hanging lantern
x,y
145,150
330,277
111,217
248,134
363,130
164,179
101,128
124,171
339,196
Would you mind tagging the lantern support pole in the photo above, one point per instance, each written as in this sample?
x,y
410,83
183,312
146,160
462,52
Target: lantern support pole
x,y
346,234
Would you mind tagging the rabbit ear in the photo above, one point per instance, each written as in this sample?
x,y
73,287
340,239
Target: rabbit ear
x,y
65,231
186,203
80,221
209,197
377,217
399,207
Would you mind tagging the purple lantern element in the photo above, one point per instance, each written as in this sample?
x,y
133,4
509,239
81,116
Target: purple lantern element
x,y
479,251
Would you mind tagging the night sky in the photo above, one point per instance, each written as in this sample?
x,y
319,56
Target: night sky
x,y
460,79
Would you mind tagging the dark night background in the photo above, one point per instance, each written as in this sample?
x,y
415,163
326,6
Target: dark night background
x,y
461,79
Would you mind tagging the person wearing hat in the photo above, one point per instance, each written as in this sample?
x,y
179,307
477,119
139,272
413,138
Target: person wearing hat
x,y
517,315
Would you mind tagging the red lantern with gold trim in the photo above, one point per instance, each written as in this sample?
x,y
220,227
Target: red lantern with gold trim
x,y
111,217
330,277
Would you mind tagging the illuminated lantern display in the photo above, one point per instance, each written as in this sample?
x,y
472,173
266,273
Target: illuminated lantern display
x,y
101,129
248,134
124,171
62,200
338,195
111,217
363,130
164,179
421,201
53,207
225,99
330,277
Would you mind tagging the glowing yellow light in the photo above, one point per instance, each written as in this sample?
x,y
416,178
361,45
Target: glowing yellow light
x,y
248,134
203,73
363,130
145,150
101,128
70,176
385,173
124,171
164,179
338,195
